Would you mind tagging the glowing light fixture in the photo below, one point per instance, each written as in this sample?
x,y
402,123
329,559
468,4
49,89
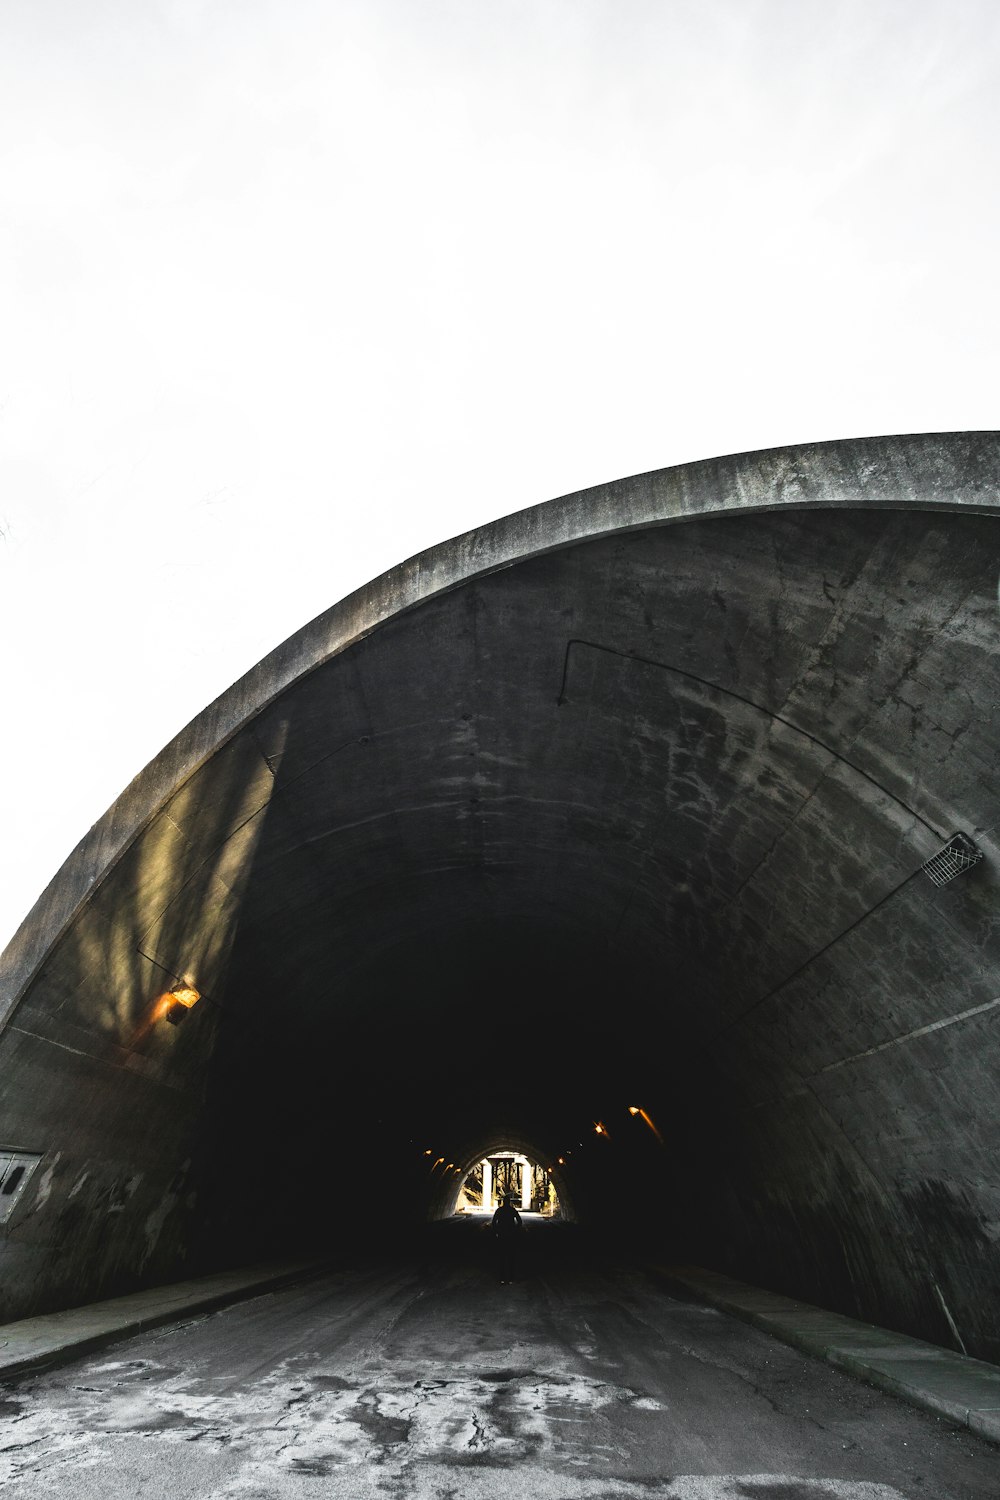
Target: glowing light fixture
x,y
634,1109
177,1003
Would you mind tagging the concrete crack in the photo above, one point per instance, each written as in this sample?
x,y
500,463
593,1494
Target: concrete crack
x,y
715,1364
479,1438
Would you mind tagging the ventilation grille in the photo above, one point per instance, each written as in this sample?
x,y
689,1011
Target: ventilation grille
x,y
958,854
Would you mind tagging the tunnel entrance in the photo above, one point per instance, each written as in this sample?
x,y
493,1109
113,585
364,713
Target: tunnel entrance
x,y
656,774
507,1174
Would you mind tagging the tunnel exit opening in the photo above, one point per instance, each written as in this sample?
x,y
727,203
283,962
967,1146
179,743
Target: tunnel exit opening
x,y
507,1174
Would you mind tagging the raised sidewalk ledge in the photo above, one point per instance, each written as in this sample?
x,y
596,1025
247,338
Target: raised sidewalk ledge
x,y
55,1337
967,1391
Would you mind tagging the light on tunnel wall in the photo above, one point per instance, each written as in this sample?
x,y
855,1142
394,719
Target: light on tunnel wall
x,y
177,1003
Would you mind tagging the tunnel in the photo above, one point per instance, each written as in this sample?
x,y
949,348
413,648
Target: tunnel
x,y
650,832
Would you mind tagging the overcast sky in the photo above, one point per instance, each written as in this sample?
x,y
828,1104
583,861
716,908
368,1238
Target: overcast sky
x,y
290,290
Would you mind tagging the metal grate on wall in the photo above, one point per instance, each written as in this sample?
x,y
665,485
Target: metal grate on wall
x,y
959,854
16,1168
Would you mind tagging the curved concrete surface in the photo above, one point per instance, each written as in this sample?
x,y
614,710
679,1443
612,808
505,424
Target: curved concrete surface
x,y
580,811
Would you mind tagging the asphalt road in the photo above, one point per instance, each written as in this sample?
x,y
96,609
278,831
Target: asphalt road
x,y
422,1378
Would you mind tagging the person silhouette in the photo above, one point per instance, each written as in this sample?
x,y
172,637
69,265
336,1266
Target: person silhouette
x,y
506,1230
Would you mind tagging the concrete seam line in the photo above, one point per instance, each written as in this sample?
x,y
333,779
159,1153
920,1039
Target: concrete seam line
x,y
775,718
909,1036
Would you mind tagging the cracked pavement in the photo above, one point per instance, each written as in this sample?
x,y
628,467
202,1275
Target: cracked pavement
x,y
421,1378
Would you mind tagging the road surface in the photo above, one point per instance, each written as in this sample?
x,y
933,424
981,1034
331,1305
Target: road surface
x,y
422,1378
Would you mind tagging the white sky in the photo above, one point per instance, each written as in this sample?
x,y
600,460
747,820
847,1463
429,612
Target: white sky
x,y
290,289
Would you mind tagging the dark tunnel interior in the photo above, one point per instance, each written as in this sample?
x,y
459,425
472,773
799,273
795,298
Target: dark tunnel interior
x,y
638,822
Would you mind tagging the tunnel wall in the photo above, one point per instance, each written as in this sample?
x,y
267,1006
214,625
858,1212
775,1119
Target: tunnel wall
x,y
757,769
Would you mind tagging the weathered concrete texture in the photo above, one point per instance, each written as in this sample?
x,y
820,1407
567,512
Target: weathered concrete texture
x,y
515,839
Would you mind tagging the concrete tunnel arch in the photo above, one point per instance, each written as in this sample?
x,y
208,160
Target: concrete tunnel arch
x,y
629,794
443,1199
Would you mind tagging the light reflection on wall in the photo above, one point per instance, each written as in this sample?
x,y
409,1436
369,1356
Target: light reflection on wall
x,y
110,1098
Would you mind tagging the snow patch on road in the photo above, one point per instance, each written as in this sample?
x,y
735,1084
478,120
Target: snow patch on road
x,y
417,1432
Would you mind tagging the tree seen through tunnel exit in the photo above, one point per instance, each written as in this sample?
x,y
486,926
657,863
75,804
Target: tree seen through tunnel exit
x,y
506,1174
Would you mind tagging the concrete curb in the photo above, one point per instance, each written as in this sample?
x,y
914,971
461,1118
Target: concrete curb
x,y
966,1391
54,1338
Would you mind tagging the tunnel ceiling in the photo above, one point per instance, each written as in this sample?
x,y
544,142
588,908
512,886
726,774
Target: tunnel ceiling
x,y
659,771
586,808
